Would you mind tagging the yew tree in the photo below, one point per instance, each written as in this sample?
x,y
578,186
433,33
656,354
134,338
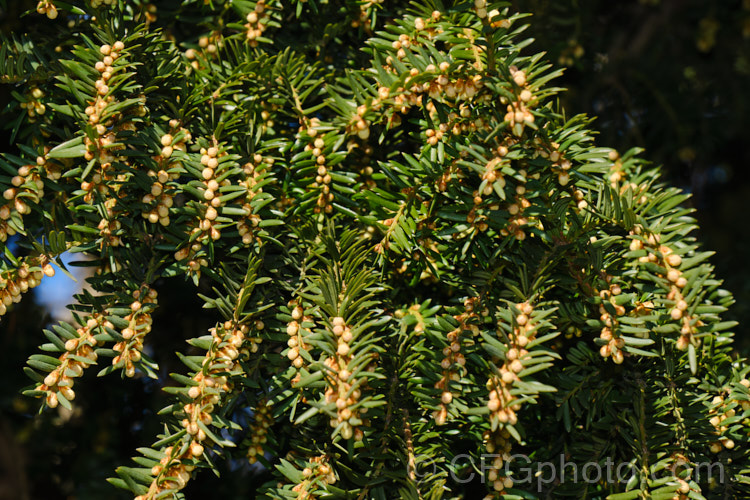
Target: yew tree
x,y
426,279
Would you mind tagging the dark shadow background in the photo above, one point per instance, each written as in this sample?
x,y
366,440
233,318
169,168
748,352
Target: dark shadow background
x,y
671,76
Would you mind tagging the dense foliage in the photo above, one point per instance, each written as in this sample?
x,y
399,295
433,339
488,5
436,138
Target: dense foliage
x,y
670,76
420,269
